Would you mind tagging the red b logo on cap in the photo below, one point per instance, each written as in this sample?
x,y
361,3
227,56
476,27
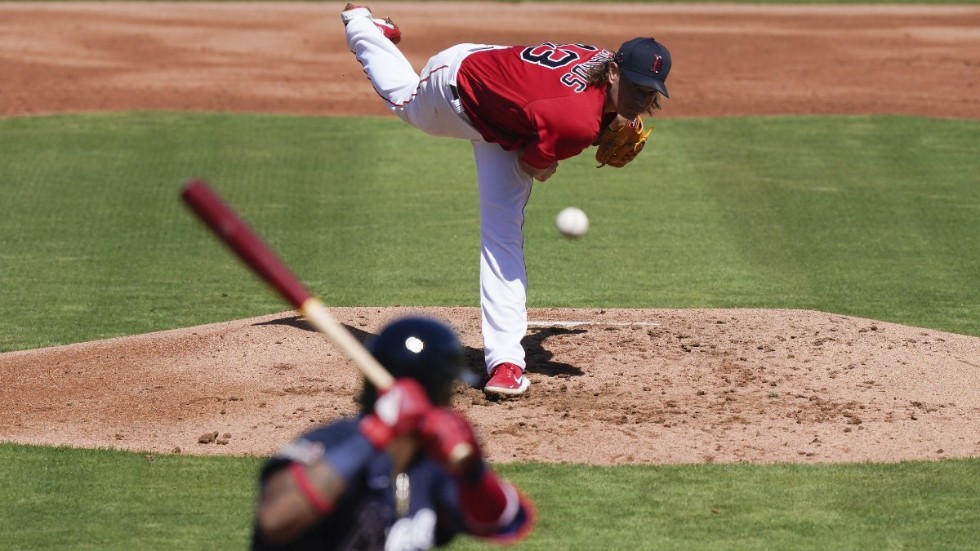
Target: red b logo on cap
x,y
658,63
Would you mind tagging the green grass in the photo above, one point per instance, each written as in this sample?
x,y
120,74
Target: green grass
x,y
59,498
869,506
867,216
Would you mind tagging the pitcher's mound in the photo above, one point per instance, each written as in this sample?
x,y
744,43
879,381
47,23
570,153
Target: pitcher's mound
x,y
608,386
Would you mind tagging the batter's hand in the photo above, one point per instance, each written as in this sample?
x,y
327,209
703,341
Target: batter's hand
x,y
397,411
442,431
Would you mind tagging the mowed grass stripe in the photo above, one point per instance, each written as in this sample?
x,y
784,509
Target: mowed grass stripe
x,y
102,242
843,216
59,498
866,216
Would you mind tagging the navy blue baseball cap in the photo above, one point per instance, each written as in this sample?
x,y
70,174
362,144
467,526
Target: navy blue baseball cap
x,y
645,62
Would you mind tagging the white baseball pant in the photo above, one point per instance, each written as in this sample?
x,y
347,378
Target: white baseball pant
x,y
426,101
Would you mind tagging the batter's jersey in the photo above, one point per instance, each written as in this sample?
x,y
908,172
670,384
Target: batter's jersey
x,y
535,98
365,517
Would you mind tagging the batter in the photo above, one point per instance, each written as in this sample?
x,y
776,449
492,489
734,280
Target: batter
x,y
389,479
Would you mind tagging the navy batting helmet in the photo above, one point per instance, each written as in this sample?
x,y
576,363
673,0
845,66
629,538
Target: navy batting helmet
x,y
422,349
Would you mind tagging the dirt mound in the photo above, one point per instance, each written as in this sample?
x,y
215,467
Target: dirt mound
x,y
291,58
609,386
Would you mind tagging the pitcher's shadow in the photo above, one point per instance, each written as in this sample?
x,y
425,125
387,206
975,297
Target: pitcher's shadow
x,y
539,359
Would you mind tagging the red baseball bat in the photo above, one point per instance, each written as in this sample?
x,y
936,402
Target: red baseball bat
x,y
259,257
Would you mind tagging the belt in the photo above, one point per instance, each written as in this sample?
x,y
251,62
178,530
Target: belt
x,y
454,91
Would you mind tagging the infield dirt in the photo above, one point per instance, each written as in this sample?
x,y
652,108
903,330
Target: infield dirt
x,y
609,386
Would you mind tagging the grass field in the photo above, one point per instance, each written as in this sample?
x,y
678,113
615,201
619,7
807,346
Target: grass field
x,y
869,216
59,498
873,217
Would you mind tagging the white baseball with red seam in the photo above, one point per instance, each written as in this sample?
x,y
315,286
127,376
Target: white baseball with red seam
x,y
572,222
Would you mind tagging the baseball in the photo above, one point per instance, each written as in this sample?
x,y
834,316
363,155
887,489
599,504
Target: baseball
x,y
572,222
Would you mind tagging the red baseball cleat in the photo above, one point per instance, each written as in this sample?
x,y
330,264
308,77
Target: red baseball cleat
x,y
390,30
506,380
387,26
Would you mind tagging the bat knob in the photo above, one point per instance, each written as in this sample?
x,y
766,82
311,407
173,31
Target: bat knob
x,y
460,455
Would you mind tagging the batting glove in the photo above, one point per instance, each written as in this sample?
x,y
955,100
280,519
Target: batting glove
x,y
397,411
449,439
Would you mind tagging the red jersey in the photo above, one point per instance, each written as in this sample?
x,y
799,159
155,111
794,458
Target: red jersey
x,y
535,98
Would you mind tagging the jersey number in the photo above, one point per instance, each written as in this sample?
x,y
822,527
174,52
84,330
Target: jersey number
x,y
555,57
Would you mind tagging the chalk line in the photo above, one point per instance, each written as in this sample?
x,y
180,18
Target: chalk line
x,y
558,323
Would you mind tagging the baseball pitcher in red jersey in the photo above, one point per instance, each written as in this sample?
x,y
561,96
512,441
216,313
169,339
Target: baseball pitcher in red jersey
x,y
525,109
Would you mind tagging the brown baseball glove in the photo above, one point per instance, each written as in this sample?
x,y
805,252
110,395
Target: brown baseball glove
x,y
619,147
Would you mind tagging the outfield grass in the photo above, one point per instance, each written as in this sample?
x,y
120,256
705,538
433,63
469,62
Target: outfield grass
x,y
58,498
867,216
61,498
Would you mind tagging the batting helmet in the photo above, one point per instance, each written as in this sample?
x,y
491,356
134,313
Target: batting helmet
x,y
422,349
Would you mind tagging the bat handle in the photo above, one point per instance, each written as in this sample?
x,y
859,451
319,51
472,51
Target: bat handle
x,y
460,455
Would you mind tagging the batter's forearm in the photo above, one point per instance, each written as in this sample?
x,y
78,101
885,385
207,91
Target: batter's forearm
x,y
294,498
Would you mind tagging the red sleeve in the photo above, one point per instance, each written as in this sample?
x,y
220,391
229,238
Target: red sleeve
x,y
495,509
